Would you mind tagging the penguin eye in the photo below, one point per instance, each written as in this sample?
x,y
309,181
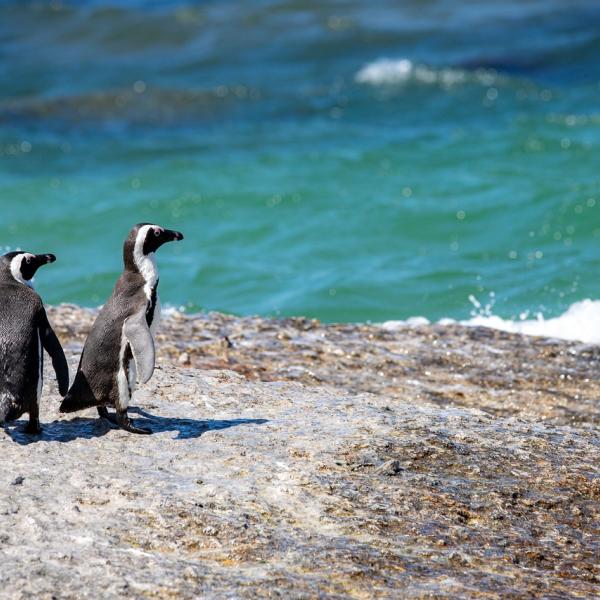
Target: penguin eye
x,y
28,260
157,232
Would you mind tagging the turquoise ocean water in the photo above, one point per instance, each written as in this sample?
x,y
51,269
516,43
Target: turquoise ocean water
x,y
346,160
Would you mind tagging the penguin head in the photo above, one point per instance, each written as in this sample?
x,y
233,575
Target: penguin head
x,y
23,265
144,240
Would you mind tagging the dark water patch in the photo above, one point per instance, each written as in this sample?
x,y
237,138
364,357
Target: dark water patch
x,y
139,106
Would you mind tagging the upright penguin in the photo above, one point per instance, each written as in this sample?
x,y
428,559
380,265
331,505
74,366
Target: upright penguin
x,y
120,346
24,331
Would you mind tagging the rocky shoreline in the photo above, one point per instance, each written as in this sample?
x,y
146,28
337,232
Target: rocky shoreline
x,y
296,459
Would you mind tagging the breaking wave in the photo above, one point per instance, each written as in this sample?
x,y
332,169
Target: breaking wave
x,y
385,71
580,322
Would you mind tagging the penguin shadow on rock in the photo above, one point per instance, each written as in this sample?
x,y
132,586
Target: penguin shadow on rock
x,y
65,431
190,428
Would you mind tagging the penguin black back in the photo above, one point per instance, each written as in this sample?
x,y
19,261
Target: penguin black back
x,y
24,333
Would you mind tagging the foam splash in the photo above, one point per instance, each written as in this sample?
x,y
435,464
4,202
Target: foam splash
x,y
385,71
580,322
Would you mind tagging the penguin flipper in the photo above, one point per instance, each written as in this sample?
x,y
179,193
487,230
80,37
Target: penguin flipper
x,y
140,339
80,395
54,349
69,404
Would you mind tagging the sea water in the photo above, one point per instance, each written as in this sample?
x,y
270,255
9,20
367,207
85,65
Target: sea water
x,y
349,161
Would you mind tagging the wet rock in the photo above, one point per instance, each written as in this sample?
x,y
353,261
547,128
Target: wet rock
x,y
309,460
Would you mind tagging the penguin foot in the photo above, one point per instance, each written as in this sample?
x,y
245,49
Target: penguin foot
x,y
104,414
125,423
33,427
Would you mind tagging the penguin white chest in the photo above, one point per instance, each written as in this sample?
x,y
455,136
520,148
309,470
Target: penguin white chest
x,y
146,263
149,271
40,382
126,375
147,266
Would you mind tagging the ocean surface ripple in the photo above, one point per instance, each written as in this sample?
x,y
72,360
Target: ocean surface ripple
x,y
349,161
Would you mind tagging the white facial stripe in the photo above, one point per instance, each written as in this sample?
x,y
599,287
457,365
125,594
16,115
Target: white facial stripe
x,y
146,263
140,239
15,268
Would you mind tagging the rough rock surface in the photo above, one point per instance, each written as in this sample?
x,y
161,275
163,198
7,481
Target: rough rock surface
x,y
300,460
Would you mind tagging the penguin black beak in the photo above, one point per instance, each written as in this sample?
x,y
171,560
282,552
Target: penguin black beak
x,y
44,259
176,236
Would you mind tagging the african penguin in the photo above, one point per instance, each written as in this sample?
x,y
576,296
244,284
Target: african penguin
x,y
24,332
120,346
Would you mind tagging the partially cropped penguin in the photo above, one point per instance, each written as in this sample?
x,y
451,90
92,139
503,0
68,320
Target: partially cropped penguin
x,y
120,346
24,333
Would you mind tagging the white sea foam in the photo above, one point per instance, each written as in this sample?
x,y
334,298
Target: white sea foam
x,y
580,322
169,311
386,71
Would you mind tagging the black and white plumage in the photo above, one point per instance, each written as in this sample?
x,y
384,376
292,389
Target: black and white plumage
x,y
24,333
120,346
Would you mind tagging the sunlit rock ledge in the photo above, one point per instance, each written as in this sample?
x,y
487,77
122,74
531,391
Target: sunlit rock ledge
x,y
295,459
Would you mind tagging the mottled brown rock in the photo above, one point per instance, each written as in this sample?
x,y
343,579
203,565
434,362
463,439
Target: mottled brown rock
x,y
295,459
